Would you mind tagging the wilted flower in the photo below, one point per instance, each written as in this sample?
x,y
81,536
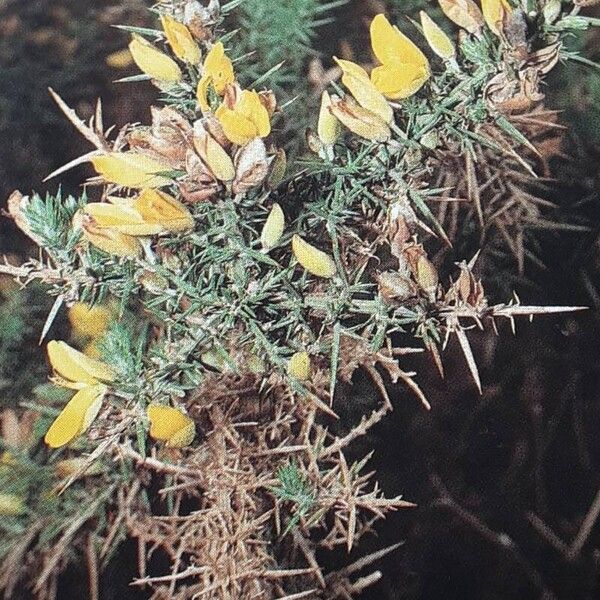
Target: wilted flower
x,y
251,166
438,41
312,259
404,67
465,13
244,117
153,62
359,120
130,169
170,425
181,41
77,415
273,228
299,366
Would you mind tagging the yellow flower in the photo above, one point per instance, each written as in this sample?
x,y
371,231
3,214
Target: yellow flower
x,y
11,505
153,62
170,425
218,72
151,212
404,67
180,39
213,154
273,227
106,239
247,119
439,42
218,66
356,79
494,12
75,369
120,59
299,366
465,13
312,259
328,127
77,415
130,169
89,321
359,120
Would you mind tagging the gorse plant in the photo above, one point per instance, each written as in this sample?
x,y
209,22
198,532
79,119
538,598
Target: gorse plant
x,y
258,295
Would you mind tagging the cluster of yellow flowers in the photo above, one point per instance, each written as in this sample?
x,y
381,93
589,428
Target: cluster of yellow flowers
x,y
91,378
403,70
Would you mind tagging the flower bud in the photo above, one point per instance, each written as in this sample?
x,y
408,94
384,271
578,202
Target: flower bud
x,y
299,366
439,42
273,227
328,127
153,62
170,425
312,259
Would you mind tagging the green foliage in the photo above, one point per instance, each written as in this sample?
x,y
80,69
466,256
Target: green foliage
x,y
294,488
50,219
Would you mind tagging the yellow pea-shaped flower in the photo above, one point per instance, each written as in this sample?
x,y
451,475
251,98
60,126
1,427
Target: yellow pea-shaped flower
x,y
438,41
180,39
170,425
89,321
106,239
312,259
153,62
404,67
299,366
130,169
365,92
465,13
122,218
494,12
75,418
163,210
218,68
328,126
75,368
248,119
273,228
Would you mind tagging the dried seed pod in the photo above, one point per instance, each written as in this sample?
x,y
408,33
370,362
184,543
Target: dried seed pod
x,y
394,287
213,154
16,204
251,166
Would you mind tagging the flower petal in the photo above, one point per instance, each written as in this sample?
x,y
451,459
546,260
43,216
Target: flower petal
x,y
170,425
75,418
273,228
153,62
75,366
391,45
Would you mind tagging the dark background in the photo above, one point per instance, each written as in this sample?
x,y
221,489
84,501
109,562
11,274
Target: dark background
x,y
504,481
